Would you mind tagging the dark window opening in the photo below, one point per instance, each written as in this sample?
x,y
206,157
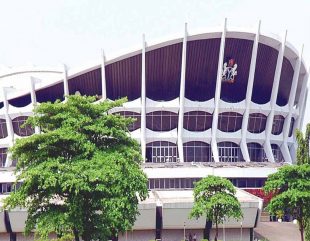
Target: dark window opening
x,y
229,122
162,151
197,121
197,151
161,121
257,123
229,152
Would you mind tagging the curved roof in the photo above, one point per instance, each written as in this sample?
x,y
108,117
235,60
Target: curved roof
x,y
163,71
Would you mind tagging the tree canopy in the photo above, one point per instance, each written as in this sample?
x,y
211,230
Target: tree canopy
x,y
81,175
303,146
290,186
303,157
214,198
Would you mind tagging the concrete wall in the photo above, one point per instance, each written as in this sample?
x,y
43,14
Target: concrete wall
x,y
19,237
167,235
4,237
230,234
141,235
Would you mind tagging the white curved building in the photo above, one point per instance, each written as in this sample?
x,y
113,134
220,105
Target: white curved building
x,y
225,102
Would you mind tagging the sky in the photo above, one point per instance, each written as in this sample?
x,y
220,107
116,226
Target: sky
x,y
52,32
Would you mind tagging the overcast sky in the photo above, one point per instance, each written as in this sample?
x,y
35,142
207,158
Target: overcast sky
x,y
73,32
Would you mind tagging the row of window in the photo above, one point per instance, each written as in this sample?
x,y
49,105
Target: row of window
x,y
166,121
167,183
189,183
194,151
19,127
201,121
8,187
197,151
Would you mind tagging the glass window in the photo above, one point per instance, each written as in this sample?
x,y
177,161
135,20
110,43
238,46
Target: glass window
x,y
162,183
21,129
197,121
157,184
161,151
197,151
277,154
229,122
177,183
277,126
229,152
152,183
256,152
3,129
136,124
257,122
3,155
291,127
242,182
161,121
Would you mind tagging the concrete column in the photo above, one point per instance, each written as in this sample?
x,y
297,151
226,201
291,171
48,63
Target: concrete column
x,y
303,110
182,96
273,100
301,101
8,120
33,99
248,99
66,84
218,95
287,123
103,78
143,102
9,124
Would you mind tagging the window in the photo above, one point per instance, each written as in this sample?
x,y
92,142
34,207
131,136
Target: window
x,y
229,152
277,126
161,151
3,129
229,122
19,128
257,123
256,152
197,151
3,155
277,154
197,121
5,187
136,124
188,183
291,127
161,121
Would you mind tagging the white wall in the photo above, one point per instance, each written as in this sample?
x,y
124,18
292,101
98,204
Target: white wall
x,y
230,234
141,235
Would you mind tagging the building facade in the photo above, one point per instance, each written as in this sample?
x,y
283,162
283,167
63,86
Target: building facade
x,y
226,102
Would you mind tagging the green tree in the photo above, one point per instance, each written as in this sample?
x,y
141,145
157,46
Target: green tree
x,y
290,187
304,157
214,198
81,175
303,146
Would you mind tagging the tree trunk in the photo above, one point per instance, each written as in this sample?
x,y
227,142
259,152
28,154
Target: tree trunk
x,y
301,223
76,235
301,229
216,231
207,230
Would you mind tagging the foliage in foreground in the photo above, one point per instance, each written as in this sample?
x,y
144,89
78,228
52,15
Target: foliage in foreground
x,y
214,198
290,186
81,175
303,157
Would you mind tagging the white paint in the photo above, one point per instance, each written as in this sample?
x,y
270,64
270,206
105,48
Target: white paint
x,y
218,95
182,97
